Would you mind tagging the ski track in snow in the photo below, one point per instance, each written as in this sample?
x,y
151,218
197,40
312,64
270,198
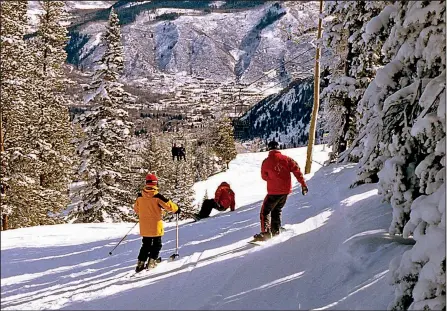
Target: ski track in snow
x,y
334,255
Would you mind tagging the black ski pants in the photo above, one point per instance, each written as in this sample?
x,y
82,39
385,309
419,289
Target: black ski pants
x,y
207,207
151,248
271,212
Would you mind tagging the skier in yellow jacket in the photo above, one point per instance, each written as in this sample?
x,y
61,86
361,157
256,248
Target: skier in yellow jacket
x,y
150,207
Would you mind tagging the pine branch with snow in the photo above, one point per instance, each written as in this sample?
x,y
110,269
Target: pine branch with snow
x,y
352,68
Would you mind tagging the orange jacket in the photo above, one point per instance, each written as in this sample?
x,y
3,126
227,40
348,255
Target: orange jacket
x,y
224,196
276,171
149,208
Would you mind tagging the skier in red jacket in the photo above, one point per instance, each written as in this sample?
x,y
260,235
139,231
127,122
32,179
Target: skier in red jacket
x,y
276,170
223,199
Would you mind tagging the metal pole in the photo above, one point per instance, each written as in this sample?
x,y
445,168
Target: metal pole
x,y
175,255
316,96
176,234
110,253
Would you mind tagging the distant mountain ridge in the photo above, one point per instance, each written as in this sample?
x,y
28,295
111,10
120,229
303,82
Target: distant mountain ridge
x,y
284,116
218,40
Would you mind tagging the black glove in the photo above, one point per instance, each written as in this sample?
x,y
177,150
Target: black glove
x,y
304,190
178,211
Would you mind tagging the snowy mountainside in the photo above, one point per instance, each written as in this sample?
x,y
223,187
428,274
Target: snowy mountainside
x,y
335,255
283,116
73,7
221,41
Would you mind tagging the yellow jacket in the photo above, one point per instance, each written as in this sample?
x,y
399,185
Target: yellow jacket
x,y
149,208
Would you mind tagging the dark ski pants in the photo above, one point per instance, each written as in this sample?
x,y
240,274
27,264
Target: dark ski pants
x,y
207,207
271,212
151,248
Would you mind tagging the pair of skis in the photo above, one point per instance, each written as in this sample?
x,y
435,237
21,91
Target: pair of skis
x,y
144,272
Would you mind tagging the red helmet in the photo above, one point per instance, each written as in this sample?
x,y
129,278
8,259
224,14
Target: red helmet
x,y
151,180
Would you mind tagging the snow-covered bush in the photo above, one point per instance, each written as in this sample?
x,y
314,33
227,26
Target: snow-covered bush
x,y
352,68
389,65
403,137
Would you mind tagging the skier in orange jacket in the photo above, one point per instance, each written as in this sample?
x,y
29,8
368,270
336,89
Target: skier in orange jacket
x,y
149,207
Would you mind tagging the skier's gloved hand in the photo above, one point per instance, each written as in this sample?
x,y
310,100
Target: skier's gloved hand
x,y
304,190
178,211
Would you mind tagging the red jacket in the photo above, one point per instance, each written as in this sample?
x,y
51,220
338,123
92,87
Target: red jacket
x,y
224,196
276,171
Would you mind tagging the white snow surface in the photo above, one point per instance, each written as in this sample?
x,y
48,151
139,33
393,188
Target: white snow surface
x,y
335,255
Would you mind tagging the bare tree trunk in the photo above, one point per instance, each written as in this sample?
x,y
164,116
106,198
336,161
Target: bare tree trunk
x,y
4,222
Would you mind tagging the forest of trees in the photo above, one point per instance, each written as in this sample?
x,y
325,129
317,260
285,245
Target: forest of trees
x,y
385,108
46,147
37,154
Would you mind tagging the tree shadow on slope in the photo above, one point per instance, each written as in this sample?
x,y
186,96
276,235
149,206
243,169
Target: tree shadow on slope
x,y
39,272
67,275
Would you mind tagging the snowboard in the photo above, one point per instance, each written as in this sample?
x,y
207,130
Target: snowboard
x,y
259,243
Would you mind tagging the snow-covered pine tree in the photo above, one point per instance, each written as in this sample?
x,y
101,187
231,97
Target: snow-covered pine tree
x,y
19,161
352,68
223,143
177,176
203,160
152,160
108,196
370,125
413,174
419,276
53,139
182,181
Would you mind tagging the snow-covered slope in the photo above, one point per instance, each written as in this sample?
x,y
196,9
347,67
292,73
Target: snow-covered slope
x,y
335,255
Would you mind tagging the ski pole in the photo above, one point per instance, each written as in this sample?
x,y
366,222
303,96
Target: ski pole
x,y
175,255
110,253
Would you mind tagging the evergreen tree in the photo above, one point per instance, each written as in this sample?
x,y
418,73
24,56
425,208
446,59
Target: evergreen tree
x,y
151,154
54,138
400,127
181,182
203,161
205,196
175,178
224,145
369,123
108,195
352,68
412,176
18,158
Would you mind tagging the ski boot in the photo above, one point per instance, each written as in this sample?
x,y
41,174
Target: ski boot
x,y
152,263
140,266
263,236
196,216
281,230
